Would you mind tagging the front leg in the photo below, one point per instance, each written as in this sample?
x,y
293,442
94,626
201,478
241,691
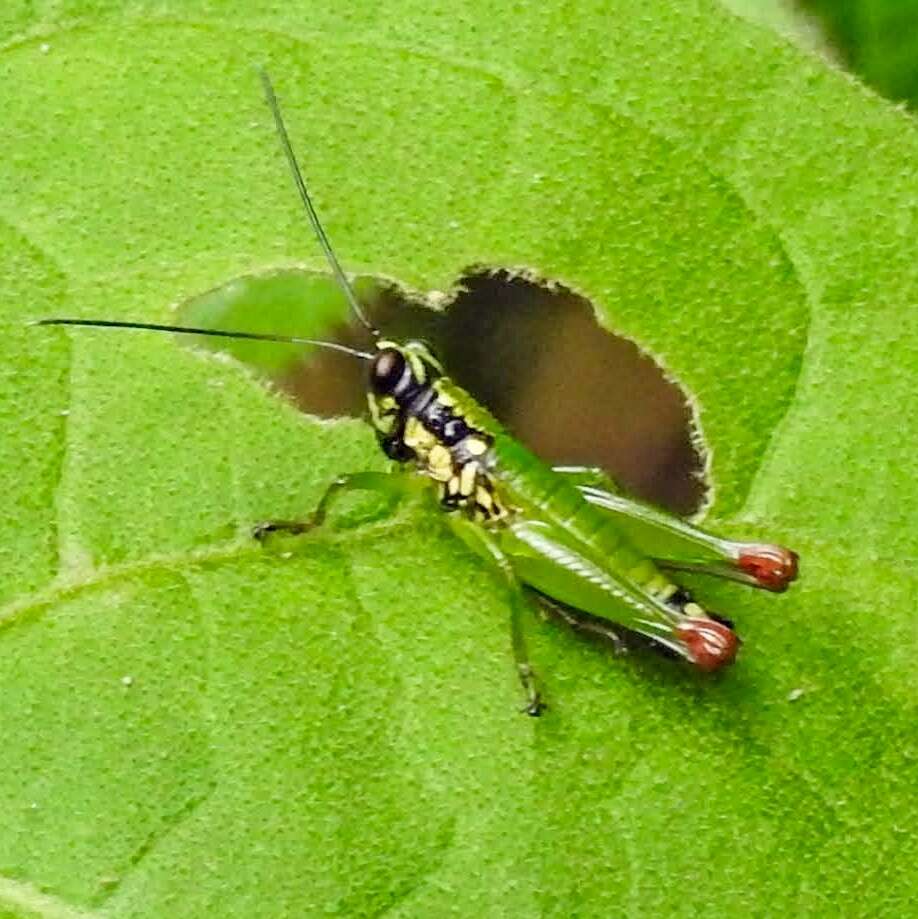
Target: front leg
x,y
390,484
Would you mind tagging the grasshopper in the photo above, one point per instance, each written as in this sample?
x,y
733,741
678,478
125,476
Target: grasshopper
x,y
561,537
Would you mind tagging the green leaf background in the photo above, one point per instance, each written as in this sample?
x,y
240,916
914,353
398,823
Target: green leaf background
x,y
192,726
876,38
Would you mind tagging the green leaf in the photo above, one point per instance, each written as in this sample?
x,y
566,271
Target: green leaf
x,y
194,726
786,17
877,39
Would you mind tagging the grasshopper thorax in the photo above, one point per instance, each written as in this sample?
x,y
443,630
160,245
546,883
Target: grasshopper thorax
x,y
422,417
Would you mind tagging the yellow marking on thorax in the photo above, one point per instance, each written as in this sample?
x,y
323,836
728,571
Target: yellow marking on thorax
x,y
467,476
418,437
440,463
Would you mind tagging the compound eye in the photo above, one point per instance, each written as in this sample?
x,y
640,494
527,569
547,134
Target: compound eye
x,y
387,371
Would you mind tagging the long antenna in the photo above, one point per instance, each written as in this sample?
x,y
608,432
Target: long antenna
x,y
307,203
214,333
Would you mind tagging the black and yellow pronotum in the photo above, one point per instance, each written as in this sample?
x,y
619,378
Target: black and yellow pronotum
x,y
563,537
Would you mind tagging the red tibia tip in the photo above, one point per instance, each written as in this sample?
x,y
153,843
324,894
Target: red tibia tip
x,y
711,644
773,567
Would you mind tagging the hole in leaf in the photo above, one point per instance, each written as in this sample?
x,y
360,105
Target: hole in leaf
x,y
535,356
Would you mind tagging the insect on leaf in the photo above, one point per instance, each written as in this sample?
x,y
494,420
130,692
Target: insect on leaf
x,y
194,726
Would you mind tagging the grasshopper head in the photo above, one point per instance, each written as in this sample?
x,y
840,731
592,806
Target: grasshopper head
x,y
398,373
